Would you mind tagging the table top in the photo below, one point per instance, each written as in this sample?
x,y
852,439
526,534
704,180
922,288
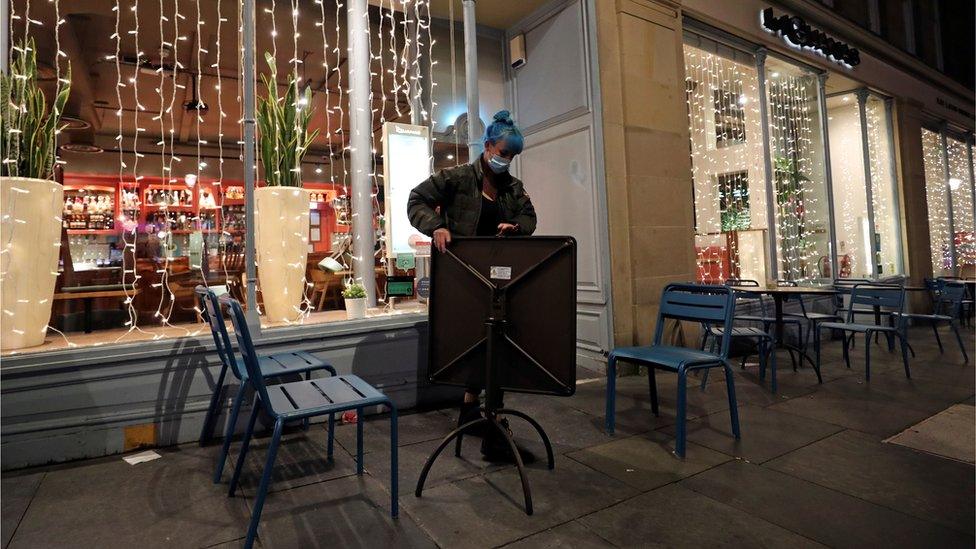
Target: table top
x,y
786,290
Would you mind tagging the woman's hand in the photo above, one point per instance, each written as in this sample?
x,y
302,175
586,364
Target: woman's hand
x,y
507,228
442,237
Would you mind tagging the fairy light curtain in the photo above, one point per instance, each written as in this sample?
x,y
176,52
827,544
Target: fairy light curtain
x,y
936,196
960,186
850,194
163,54
884,187
796,150
722,96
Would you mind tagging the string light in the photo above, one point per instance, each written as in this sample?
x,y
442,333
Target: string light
x,y
960,185
936,197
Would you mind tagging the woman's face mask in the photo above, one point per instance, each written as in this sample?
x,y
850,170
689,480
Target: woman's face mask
x,y
499,164
499,159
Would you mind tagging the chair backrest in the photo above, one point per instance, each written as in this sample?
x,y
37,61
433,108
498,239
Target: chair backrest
x,y
210,311
876,295
246,346
707,304
748,297
950,297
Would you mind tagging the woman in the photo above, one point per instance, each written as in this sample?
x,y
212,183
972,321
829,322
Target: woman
x,y
477,199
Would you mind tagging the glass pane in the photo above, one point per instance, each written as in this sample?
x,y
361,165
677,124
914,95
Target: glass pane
x,y
796,147
938,204
960,185
850,194
727,163
884,191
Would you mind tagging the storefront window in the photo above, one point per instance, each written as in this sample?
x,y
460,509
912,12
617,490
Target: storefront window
x,y
937,199
850,194
722,92
796,150
852,211
960,186
162,209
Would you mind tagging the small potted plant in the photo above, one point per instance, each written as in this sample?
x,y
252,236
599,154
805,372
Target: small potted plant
x,y
31,200
355,296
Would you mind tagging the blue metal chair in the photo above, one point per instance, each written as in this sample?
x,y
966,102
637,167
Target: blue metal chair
x,y
272,366
948,297
301,400
711,305
874,296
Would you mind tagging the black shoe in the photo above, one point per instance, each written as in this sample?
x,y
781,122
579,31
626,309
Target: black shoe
x,y
471,411
494,447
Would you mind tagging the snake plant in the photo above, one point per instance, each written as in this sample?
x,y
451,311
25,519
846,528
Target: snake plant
x,y
28,132
283,122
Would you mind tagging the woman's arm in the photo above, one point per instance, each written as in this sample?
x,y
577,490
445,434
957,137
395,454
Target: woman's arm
x,y
524,210
433,192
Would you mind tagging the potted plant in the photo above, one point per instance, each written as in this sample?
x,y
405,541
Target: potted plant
x,y
281,206
31,201
355,296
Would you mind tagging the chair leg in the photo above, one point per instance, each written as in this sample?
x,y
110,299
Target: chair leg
x,y
359,441
772,358
652,388
935,330
903,337
816,348
679,445
331,444
867,355
704,379
252,530
206,432
394,501
847,354
733,406
955,329
611,399
229,432
245,442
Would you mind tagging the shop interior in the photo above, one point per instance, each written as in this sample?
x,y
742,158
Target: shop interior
x,y
151,158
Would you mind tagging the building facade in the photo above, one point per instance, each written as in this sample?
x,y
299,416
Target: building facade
x,y
684,140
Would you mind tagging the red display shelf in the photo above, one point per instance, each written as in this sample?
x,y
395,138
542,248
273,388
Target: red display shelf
x,y
92,231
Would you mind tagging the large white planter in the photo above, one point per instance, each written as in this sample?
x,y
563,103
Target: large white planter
x,y
281,238
355,308
30,240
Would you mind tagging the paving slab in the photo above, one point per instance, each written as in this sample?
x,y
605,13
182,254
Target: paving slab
x,y
571,535
925,486
486,511
17,491
951,433
411,429
766,433
877,414
821,514
301,460
447,468
673,516
106,503
347,512
647,461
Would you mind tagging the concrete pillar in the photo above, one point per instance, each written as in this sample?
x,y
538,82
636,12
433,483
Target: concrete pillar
x,y
360,154
471,78
648,168
250,256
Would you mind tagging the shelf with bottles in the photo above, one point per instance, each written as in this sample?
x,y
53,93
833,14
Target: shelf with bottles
x,y
175,222
233,195
169,197
89,208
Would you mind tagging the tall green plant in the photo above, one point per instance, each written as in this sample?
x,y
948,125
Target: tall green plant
x,y
28,132
283,122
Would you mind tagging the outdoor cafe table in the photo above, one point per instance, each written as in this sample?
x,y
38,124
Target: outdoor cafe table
x,y
779,295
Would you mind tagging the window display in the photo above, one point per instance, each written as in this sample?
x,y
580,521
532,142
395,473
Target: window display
x,y
727,162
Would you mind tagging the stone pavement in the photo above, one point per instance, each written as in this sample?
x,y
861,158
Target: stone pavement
x,y
812,468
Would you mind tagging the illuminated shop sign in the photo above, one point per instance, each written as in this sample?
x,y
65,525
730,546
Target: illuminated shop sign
x,y
797,33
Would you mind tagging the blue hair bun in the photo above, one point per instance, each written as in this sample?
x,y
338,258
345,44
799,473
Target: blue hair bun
x,y
504,117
